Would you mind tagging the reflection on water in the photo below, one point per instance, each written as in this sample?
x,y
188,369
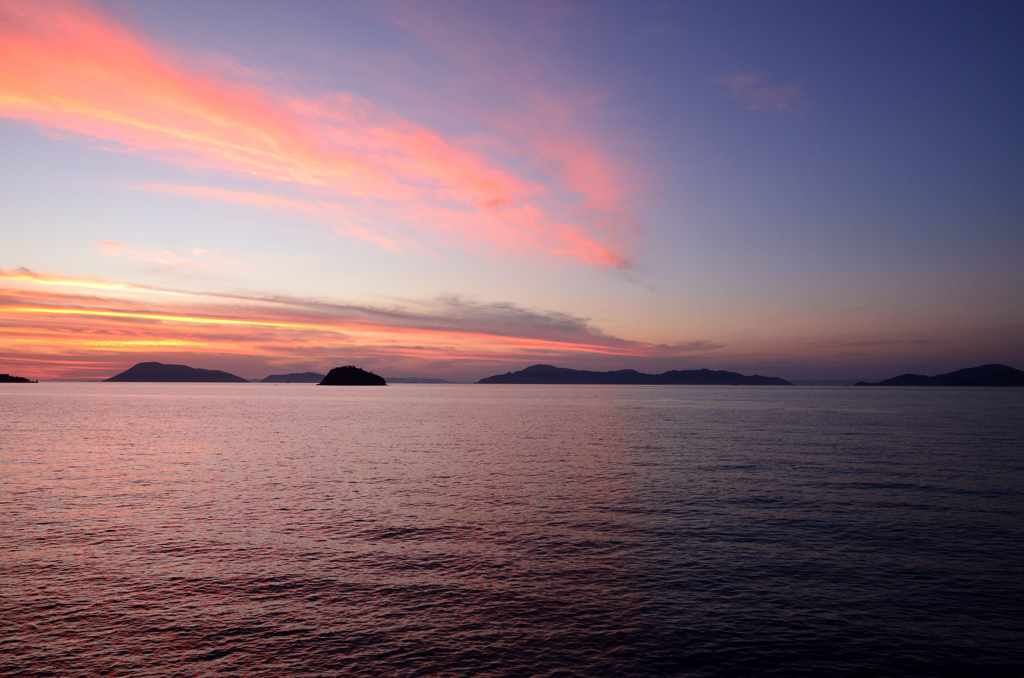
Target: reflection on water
x,y
166,529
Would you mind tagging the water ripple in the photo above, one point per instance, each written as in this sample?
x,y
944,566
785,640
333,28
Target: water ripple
x,y
182,530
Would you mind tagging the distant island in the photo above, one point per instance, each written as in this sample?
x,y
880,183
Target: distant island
x,y
8,379
417,380
160,372
293,378
986,375
549,374
349,375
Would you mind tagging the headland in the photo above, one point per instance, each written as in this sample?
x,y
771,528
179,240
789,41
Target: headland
x,y
985,375
549,374
9,379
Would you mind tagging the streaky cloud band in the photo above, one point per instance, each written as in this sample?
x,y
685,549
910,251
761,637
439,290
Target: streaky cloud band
x,y
77,327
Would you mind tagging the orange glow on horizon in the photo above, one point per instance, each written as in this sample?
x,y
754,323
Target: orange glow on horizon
x,y
61,331
381,333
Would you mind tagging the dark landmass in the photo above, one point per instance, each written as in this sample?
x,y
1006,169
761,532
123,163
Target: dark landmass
x,y
417,380
986,375
8,379
294,378
548,374
168,373
352,376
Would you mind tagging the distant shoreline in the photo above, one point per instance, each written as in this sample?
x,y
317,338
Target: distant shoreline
x,y
549,374
991,375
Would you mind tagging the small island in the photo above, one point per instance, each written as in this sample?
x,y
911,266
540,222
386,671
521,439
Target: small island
x,y
293,378
159,372
349,375
985,375
549,374
8,379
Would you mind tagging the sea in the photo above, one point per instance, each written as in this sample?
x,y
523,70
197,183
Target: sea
x,y
486,530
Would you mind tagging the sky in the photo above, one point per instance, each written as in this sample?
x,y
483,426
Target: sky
x,y
456,189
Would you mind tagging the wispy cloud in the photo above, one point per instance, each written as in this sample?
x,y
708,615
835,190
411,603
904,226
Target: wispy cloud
x,y
197,260
538,117
64,326
372,174
753,91
250,198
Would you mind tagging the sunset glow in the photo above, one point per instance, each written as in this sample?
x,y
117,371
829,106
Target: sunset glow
x,y
126,320
447,190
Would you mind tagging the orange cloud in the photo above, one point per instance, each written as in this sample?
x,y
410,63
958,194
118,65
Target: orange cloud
x,y
65,67
53,326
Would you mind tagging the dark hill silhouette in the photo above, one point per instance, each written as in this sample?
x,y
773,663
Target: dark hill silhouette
x,y
349,375
294,378
168,373
986,375
8,379
549,374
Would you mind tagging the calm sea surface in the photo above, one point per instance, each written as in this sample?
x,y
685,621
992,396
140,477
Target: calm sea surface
x,y
469,530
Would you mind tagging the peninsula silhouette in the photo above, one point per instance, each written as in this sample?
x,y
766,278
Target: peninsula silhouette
x,y
549,374
173,373
293,378
986,375
8,379
349,375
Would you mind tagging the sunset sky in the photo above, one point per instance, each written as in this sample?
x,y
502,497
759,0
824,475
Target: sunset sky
x,y
817,190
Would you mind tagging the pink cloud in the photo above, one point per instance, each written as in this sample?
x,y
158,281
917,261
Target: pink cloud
x,y
64,67
539,120
197,261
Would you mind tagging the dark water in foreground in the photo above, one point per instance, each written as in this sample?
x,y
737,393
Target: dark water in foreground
x,y
294,530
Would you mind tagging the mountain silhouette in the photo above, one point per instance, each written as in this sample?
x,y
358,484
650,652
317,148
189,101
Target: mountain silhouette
x,y
293,378
168,373
986,375
549,374
349,375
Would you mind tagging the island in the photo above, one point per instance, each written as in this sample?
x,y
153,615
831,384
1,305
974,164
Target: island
x,y
8,379
293,378
985,375
350,375
159,372
549,374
